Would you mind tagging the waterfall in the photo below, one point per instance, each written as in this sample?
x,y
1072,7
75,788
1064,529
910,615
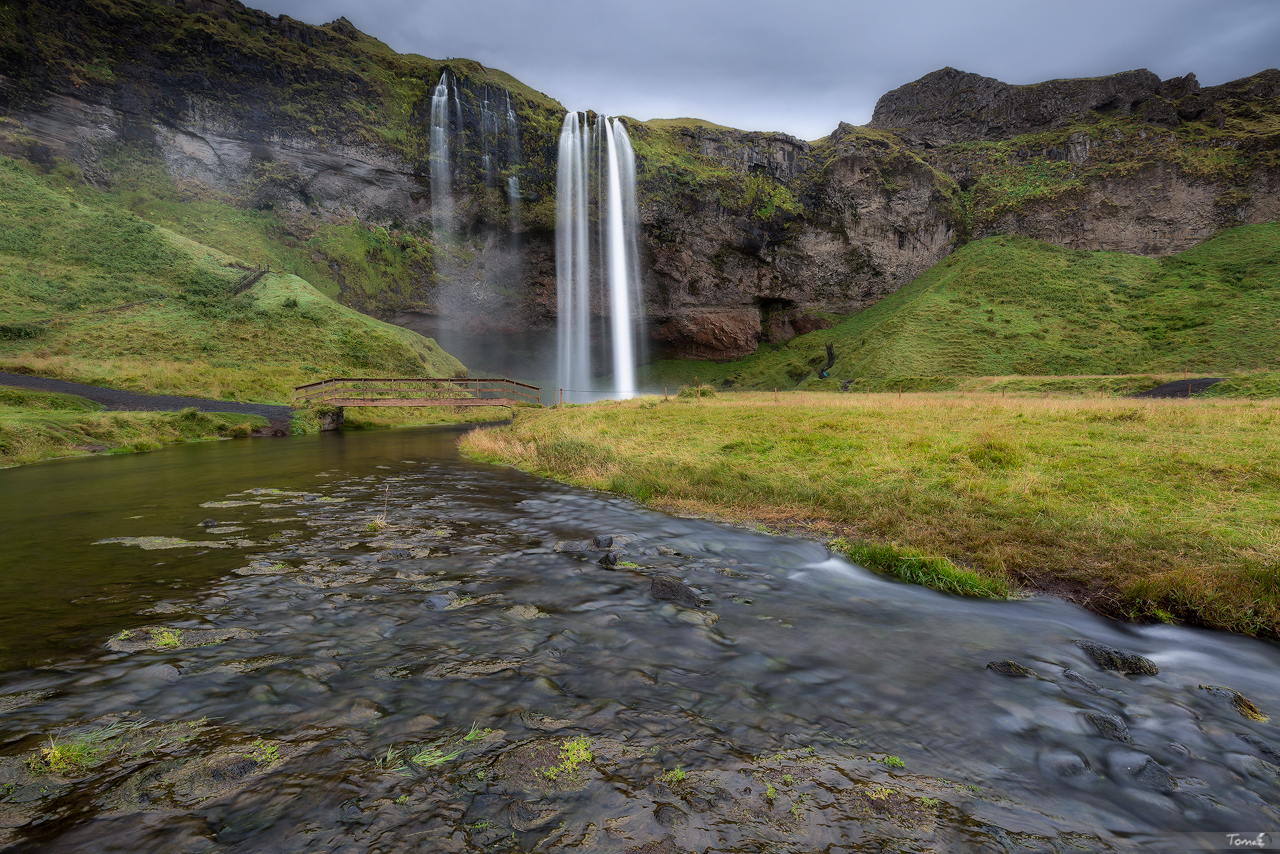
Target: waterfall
x,y
441,191
604,156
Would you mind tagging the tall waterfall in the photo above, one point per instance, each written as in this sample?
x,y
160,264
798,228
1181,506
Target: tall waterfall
x,y
596,166
441,180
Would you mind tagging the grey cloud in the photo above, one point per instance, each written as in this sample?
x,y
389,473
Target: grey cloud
x,y
804,67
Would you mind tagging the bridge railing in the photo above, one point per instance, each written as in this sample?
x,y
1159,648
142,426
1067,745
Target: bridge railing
x,y
415,391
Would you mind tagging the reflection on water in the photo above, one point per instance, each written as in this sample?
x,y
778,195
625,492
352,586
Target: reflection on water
x,y
372,644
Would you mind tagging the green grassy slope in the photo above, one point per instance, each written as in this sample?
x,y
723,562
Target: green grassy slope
x,y
93,293
1008,305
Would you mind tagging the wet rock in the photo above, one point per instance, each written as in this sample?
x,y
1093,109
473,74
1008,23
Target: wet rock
x,y
350,813
670,816
159,673
1082,680
525,817
1252,766
1265,749
233,768
668,551
1237,700
667,589
395,554
208,523
1110,658
1062,763
1141,769
603,541
436,603
1110,726
570,546
608,560
1010,668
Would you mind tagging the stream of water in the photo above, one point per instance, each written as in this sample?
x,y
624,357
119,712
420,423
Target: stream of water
x,y
360,642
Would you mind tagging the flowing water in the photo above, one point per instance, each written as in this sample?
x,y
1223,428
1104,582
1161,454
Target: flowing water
x,y
377,646
596,176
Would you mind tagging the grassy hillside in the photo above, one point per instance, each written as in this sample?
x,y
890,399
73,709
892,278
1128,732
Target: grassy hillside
x,y
1009,305
93,293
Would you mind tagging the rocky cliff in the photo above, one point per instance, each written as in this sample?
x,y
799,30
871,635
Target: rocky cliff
x,y
746,236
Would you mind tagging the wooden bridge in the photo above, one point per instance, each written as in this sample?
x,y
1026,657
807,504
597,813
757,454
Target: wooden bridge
x,y
415,391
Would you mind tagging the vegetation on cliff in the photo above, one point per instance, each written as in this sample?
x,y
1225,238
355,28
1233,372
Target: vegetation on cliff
x,y
95,294
1151,510
1009,305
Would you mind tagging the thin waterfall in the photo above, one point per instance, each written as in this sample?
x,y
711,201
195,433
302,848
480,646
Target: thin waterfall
x,y
619,269
441,173
611,258
573,329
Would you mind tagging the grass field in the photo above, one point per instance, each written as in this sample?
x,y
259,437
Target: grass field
x,y
92,293
1016,306
1147,510
36,425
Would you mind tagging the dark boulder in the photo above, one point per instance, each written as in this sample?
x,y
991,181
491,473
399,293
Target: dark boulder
x,y
1010,668
667,589
603,541
1110,658
608,560
1110,726
1082,680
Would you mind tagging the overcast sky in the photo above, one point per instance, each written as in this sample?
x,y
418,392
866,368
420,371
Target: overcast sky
x,y
803,66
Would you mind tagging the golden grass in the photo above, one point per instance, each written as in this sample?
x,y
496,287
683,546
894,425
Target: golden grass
x,y
1160,509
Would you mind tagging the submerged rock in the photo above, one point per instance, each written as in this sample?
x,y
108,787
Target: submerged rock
x,y
1082,680
1110,658
395,554
1110,726
1237,700
436,603
1010,668
608,560
1142,770
667,589
1268,753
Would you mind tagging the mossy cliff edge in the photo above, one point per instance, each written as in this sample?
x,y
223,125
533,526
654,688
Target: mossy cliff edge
x,y
321,132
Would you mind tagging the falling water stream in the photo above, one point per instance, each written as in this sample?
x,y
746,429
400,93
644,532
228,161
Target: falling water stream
x,y
612,261
373,645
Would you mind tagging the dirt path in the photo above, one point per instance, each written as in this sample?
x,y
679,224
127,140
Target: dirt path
x,y
116,399
1180,388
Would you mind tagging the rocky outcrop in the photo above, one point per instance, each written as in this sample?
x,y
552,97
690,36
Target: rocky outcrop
x,y
949,106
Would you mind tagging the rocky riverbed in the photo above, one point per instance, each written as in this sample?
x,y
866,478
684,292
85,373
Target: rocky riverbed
x,y
421,653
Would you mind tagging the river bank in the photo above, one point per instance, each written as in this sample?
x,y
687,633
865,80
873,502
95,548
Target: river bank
x,y
43,418
1142,510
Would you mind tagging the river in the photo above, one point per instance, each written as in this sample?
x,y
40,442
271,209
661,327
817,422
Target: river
x,y
361,642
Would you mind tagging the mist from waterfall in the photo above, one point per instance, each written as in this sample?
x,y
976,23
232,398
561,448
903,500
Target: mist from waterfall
x,y
596,171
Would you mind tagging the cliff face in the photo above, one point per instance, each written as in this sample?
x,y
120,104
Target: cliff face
x,y
746,236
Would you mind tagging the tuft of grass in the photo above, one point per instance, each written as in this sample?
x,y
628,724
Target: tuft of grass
x,y
573,753
167,638
915,568
80,751
429,757
476,733
1141,509
893,762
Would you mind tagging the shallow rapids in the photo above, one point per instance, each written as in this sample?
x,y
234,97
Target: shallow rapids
x,y
359,642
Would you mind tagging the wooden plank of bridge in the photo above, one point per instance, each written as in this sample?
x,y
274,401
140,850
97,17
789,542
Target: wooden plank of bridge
x,y
415,391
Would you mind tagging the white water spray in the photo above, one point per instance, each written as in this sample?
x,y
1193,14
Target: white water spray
x,y
615,253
